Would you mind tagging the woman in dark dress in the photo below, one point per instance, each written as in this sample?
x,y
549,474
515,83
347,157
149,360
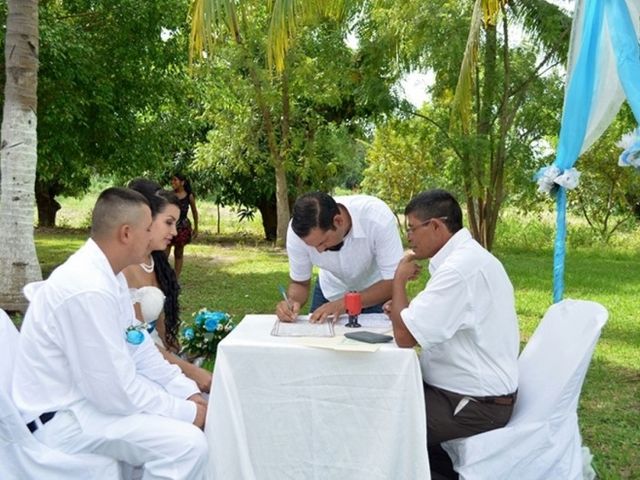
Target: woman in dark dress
x,y
186,233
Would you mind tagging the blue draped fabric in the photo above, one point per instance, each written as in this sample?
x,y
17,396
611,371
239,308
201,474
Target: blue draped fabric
x,y
579,98
575,117
627,51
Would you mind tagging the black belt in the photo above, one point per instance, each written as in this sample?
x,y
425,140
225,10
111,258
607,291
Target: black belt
x,y
44,418
499,400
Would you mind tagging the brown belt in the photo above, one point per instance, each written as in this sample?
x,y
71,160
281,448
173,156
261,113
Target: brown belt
x,y
500,400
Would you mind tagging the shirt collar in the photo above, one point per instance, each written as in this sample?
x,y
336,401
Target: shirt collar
x,y
460,237
103,263
356,229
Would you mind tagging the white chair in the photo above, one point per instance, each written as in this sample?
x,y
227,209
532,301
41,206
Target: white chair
x,y
22,456
542,440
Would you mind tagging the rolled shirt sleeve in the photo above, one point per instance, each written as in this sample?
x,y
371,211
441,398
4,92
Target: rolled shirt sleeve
x,y
439,311
300,264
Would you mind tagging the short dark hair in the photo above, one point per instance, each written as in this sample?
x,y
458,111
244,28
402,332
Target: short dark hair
x,y
157,197
436,203
313,210
114,207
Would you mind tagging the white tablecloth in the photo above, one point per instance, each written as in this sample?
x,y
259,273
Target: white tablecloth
x,y
279,410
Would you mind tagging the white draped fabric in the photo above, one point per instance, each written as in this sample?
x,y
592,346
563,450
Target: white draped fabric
x,y
542,440
280,410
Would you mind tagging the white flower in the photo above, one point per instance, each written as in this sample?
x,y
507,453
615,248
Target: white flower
x,y
550,176
630,142
569,179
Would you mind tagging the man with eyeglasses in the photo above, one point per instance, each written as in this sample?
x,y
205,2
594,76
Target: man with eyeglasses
x,y
464,320
354,240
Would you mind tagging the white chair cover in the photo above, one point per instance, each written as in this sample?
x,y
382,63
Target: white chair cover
x,y
542,439
22,456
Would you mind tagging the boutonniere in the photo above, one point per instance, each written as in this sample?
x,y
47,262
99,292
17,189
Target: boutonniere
x,y
134,334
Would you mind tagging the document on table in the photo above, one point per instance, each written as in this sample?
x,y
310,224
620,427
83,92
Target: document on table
x,y
302,327
369,321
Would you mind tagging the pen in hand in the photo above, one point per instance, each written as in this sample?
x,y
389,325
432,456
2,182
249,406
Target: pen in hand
x,y
284,295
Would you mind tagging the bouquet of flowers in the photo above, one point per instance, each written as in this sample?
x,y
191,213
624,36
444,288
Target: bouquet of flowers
x,y
200,339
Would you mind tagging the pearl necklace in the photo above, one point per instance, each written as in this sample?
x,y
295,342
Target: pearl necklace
x,y
148,267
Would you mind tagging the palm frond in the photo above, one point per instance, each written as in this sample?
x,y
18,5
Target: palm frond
x,y
548,25
491,10
461,107
207,17
287,16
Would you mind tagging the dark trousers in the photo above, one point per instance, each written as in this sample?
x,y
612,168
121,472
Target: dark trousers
x,y
475,417
319,299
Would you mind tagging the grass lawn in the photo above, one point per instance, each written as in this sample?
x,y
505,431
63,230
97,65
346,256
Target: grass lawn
x,y
236,272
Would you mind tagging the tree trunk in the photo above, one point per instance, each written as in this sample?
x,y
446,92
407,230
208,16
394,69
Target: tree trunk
x,y
268,210
485,124
18,154
282,199
282,191
47,205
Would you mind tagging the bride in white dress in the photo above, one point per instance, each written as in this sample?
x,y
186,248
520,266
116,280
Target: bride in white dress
x,y
154,286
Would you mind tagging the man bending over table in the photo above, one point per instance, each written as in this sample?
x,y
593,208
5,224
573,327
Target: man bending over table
x,y
465,322
88,378
355,242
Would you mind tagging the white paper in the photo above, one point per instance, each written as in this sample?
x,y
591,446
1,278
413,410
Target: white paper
x,y
302,327
369,320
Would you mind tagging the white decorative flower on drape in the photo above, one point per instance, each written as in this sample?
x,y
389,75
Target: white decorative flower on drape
x,y
550,176
630,143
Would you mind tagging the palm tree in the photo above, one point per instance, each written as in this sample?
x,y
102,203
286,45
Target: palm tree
x,y
218,19
481,114
493,113
18,260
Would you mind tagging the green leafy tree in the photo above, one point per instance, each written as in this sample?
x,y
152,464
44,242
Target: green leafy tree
x,y
608,195
485,169
400,162
490,94
297,127
116,97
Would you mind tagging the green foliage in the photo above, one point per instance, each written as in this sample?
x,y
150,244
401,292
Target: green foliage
x,y
113,96
401,162
608,194
327,97
516,112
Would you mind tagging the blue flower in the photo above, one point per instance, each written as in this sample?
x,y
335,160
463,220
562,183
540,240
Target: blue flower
x,y
189,333
211,323
200,318
218,316
135,336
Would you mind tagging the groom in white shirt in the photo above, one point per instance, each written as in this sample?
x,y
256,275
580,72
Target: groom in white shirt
x,y
84,386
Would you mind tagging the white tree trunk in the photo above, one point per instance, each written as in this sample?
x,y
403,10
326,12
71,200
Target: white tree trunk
x,y
18,155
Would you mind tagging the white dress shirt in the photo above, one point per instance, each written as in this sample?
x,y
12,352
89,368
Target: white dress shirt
x,y
465,321
73,347
371,250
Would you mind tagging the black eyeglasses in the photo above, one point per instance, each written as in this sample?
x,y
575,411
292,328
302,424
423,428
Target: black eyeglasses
x,y
412,230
